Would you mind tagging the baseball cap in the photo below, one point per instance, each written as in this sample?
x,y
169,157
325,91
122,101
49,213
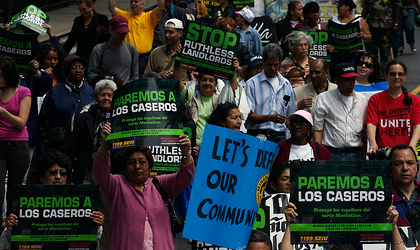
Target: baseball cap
x,y
120,24
174,23
305,114
345,70
247,14
255,60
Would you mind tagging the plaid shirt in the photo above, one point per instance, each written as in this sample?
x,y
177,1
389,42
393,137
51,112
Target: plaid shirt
x,y
341,128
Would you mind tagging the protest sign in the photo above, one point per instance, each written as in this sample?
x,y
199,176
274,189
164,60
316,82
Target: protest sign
x,y
321,39
265,27
31,17
277,9
240,4
55,217
211,3
271,218
20,48
231,175
341,202
147,112
344,37
208,49
199,245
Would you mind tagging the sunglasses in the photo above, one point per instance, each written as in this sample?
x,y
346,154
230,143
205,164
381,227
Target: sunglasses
x,y
367,64
55,172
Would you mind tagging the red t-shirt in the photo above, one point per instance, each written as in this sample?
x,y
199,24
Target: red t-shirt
x,y
393,119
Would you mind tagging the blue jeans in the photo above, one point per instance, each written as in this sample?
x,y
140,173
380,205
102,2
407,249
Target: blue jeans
x,y
407,25
345,156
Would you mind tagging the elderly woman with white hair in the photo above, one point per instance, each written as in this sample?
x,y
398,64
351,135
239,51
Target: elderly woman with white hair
x,y
296,68
85,139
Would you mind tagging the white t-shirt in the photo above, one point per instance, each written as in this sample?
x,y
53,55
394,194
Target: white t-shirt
x,y
348,100
274,82
301,152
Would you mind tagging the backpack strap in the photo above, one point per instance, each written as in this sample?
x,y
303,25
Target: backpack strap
x,y
131,51
103,46
161,191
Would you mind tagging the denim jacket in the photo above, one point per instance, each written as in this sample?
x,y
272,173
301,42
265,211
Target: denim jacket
x,y
252,41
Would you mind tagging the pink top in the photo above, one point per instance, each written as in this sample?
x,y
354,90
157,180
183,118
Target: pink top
x,y
129,206
8,132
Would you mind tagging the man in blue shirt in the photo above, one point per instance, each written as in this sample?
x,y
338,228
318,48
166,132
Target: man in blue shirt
x,y
270,98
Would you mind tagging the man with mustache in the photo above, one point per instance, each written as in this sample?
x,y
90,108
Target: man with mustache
x,y
270,98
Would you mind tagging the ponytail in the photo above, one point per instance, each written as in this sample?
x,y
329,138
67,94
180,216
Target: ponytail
x,y
407,99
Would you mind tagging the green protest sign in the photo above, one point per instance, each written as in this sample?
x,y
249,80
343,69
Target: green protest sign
x,y
20,48
344,37
31,17
208,49
55,217
321,40
239,4
147,112
341,202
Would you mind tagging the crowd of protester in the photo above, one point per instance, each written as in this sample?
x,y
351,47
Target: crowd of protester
x,y
348,109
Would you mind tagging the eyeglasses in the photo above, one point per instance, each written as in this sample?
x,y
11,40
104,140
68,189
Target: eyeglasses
x,y
367,64
55,172
74,68
394,74
300,124
134,163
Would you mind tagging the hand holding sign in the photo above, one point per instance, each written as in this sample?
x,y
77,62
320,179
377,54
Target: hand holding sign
x,y
106,130
185,145
97,217
11,220
290,211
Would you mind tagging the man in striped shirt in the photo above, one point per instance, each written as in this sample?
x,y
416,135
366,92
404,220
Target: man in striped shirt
x,y
270,98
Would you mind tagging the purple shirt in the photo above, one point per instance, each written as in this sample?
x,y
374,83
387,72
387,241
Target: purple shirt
x,y
129,206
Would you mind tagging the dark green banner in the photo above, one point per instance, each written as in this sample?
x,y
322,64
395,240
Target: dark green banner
x,y
31,17
20,48
343,37
147,112
239,4
321,39
55,217
208,49
341,202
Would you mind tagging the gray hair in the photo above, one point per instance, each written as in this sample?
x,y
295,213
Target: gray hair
x,y
271,51
293,38
105,84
